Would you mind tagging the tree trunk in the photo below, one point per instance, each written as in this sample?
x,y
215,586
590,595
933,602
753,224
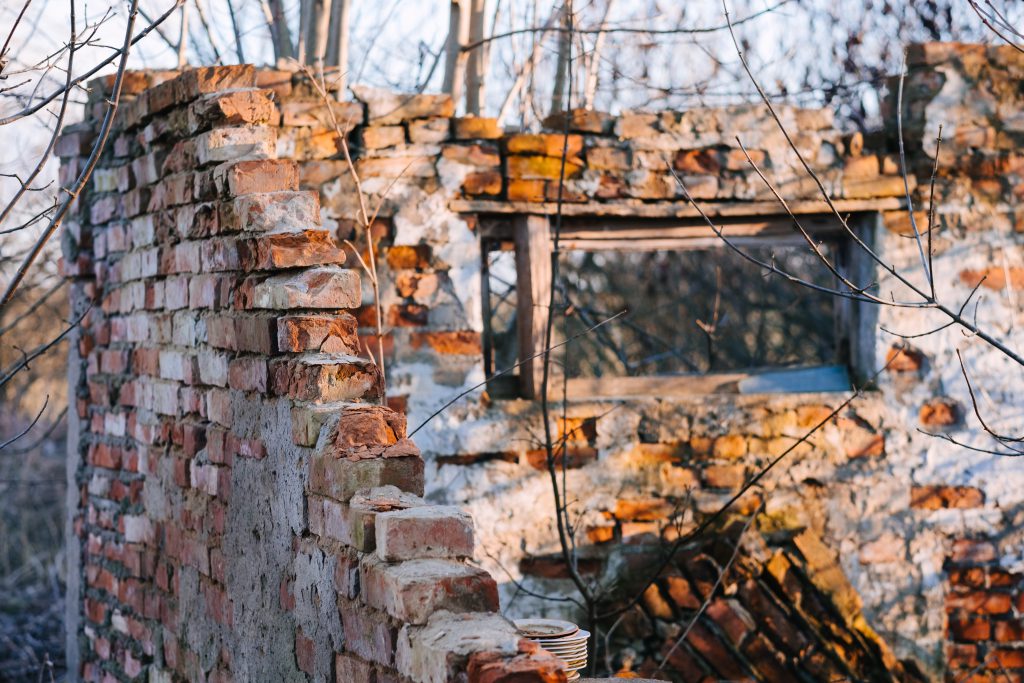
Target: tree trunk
x,y
455,58
337,46
183,38
594,61
318,27
477,66
279,28
562,64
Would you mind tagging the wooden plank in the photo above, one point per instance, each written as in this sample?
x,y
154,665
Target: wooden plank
x,y
604,228
640,209
533,292
678,244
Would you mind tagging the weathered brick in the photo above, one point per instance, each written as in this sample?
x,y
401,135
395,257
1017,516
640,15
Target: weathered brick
x,y
412,591
368,635
376,137
543,168
448,343
430,531
354,523
940,413
276,211
200,81
970,551
476,128
325,377
318,333
258,176
323,287
278,250
342,478
248,374
939,497
229,144
232,109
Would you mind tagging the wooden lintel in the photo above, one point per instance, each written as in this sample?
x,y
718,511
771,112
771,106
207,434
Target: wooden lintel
x,y
640,209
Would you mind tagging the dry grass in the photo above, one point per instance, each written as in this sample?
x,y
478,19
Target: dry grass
x,y
32,489
31,553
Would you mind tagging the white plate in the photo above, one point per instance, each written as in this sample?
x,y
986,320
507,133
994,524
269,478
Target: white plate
x,y
566,650
545,628
577,636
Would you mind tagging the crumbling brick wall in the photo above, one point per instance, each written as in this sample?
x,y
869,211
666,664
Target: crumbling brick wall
x,y
240,509
891,503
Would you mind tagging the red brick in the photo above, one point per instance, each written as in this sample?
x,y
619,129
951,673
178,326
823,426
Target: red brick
x,y
305,653
530,666
1002,657
940,413
408,315
368,635
448,343
1008,631
429,531
323,287
318,333
275,251
969,628
195,82
643,509
730,477
340,478
969,551
262,175
349,669
995,278
273,211
408,257
232,109
904,359
980,602
322,380
248,374
553,567
940,497
571,457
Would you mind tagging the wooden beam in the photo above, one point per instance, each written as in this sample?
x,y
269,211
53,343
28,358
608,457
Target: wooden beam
x,y
640,209
533,293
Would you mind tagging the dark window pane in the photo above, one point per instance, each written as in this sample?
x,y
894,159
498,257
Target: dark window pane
x,y
501,302
694,311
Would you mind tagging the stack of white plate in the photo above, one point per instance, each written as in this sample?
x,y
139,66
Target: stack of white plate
x,y
564,639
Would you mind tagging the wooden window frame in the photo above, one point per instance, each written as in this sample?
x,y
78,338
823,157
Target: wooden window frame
x,y
532,236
